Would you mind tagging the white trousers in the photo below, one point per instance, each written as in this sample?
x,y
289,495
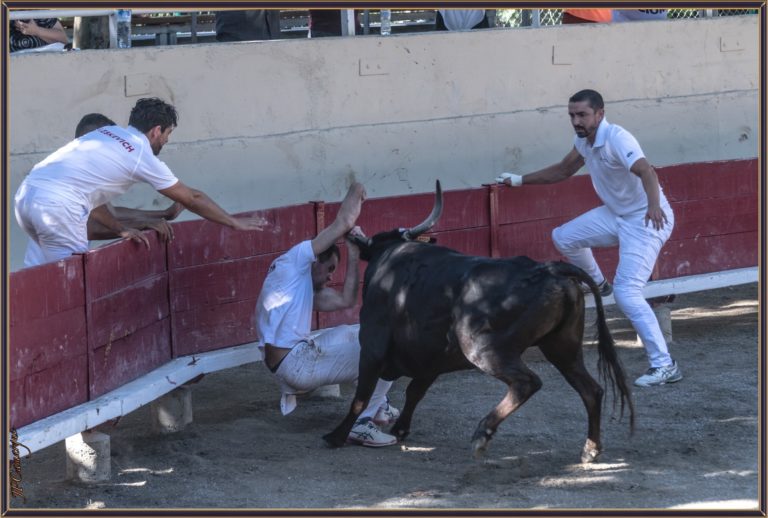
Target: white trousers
x,y
332,357
57,228
639,247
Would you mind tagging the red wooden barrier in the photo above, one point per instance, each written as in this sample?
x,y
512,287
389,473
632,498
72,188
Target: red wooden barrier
x,y
81,327
127,312
217,273
48,344
716,217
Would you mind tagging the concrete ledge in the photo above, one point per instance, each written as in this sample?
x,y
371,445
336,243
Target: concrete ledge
x,y
170,376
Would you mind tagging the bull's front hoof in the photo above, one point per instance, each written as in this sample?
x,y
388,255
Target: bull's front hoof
x,y
333,441
590,452
399,433
478,448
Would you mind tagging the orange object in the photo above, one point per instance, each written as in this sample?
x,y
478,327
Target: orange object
x,y
592,15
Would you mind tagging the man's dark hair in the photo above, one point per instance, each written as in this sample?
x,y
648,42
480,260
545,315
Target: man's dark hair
x,y
595,99
150,112
91,122
326,254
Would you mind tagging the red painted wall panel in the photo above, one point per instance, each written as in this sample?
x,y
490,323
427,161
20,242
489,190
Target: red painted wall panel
x,y
202,242
45,290
213,327
113,267
713,217
42,343
131,309
18,413
708,254
127,312
218,283
566,199
123,360
461,209
53,390
709,180
47,334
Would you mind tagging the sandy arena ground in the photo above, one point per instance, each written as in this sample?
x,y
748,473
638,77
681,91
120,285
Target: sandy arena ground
x,y
696,443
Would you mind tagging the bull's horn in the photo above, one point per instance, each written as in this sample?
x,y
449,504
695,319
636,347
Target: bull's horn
x,y
361,242
431,219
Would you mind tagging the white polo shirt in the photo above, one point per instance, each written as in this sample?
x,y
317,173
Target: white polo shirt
x,y
608,162
284,308
99,166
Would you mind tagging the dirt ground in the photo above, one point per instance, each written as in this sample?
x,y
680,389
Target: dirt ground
x,y
695,446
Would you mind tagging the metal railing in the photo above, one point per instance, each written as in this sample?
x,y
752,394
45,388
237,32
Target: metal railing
x,y
503,18
66,13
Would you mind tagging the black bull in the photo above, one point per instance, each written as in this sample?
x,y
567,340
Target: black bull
x,y
428,310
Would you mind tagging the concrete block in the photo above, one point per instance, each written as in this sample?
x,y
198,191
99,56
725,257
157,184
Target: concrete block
x,y
88,457
173,411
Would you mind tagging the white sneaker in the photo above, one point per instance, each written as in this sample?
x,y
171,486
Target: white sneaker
x,y
387,414
660,375
365,433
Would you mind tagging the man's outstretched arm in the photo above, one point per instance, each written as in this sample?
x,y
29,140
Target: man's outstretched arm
x,y
202,205
345,219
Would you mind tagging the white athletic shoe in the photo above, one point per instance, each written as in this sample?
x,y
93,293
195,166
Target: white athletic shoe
x,y
387,414
365,433
660,375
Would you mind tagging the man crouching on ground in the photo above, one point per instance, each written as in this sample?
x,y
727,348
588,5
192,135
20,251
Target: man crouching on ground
x,y
296,284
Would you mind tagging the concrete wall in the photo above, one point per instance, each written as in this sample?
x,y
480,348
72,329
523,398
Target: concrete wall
x,y
267,124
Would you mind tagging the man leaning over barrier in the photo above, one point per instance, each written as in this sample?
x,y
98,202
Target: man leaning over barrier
x,y
141,219
74,183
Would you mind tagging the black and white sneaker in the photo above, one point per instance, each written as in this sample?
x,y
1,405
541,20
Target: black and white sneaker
x,y
365,433
605,288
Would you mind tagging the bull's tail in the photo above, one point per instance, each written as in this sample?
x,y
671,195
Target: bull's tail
x,y
608,363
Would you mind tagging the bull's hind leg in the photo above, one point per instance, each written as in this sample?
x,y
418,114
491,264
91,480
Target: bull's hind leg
x,y
522,383
564,351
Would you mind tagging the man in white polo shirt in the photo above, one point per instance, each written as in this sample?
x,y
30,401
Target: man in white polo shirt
x,y
296,284
54,201
135,218
635,215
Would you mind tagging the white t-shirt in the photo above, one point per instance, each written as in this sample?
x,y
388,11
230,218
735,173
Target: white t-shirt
x,y
284,308
608,162
99,166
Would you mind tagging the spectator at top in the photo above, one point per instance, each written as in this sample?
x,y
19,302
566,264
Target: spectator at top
x,y
587,16
460,19
248,25
327,22
33,34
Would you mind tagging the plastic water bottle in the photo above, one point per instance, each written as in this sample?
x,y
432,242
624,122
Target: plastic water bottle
x,y
386,22
123,18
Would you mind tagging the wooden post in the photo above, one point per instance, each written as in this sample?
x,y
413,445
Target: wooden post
x,y
493,219
319,226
